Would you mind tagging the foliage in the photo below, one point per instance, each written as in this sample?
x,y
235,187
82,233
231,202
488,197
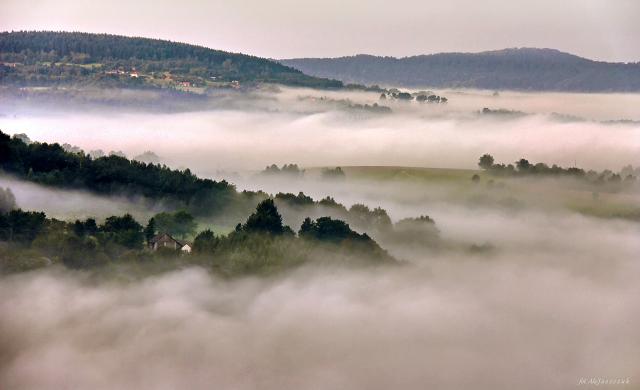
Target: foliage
x,y
524,167
333,231
150,230
295,200
86,228
261,245
290,170
331,203
124,231
363,217
266,219
21,226
180,224
486,161
7,200
501,112
205,242
327,229
59,58
333,174
50,164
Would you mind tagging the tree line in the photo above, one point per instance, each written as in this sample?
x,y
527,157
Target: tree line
x,y
524,167
159,185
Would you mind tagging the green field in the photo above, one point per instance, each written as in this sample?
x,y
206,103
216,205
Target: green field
x,y
545,193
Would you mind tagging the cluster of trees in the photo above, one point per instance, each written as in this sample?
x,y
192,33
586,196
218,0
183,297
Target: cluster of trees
x,y
33,240
374,221
432,99
373,108
502,112
421,96
179,224
20,226
348,104
414,232
7,200
50,164
179,190
44,57
333,173
290,170
524,167
261,244
291,200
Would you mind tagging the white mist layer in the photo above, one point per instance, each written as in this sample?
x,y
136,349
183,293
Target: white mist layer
x,y
553,302
71,204
283,129
520,318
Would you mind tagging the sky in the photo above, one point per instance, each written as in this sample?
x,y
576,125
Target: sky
x,y
605,30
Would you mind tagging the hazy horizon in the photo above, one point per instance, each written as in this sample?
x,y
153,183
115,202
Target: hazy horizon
x,y
291,127
595,29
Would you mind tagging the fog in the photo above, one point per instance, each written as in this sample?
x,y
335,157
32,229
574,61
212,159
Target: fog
x,y
556,303
71,204
551,300
294,126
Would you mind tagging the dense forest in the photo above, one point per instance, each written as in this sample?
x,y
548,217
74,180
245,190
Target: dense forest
x,y
30,58
509,69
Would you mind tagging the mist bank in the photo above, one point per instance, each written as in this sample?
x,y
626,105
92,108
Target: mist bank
x,y
72,204
554,301
286,126
522,288
549,317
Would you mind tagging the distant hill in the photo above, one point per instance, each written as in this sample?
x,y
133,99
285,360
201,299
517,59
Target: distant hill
x,y
62,58
509,69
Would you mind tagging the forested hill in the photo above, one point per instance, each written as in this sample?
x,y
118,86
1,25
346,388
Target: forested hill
x,y
46,58
509,69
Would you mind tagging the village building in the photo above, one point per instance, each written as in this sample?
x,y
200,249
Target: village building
x,y
164,240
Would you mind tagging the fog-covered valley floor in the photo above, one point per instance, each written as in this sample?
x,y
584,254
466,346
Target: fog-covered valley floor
x,y
322,128
549,297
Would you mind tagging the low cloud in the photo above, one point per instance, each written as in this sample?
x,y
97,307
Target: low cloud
x,y
554,299
282,128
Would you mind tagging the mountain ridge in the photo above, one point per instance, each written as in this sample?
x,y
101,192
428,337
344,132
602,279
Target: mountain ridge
x,y
537,69
58,57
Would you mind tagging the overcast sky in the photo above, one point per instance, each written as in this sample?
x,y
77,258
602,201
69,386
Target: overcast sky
x,y
600,29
